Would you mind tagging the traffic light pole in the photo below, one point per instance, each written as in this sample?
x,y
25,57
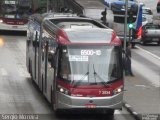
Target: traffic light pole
x,y
129,35
125,25
125,35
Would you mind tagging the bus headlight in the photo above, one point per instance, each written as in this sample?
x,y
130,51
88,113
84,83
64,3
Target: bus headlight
x,y
63,90
1,21
118,90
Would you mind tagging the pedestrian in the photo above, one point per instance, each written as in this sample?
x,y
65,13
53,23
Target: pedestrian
x,y
128,60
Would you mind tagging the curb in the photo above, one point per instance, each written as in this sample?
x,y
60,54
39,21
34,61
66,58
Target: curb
x,y
131,111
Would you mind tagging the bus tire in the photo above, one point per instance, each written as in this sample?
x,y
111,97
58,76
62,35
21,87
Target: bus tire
x,y
51,98
30,69
56,111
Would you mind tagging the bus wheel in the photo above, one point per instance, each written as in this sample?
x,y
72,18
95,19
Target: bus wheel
x,y
52,98
56,111
29,64
30,69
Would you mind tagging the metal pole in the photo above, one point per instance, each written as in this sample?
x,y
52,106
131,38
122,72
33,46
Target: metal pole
x,y
129,35
125,25
125,36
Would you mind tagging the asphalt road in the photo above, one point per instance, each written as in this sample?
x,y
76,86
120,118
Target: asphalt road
x,y
18,95
152,48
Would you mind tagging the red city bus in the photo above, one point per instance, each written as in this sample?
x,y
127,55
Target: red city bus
x,y
14,13
76,62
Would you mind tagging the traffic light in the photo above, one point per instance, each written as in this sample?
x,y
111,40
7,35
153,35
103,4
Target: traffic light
x,y
103,18
130,25
130,19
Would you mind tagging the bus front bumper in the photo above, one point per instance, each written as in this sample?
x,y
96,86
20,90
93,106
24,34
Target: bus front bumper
x,y
70,102
13,27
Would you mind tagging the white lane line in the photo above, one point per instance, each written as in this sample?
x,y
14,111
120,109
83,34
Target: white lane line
x,y
117,112
135,113
155,56
3,72
150,75
127,105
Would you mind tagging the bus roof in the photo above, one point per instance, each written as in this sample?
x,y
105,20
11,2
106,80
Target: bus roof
x,y
74,29
88,35
45,16
67,18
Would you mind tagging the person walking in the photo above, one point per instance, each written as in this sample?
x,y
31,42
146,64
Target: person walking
x,y
128,60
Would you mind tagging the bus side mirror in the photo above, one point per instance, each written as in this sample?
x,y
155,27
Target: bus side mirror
x,y
52,58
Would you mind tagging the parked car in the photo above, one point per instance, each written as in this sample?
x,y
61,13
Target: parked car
x,y
147,12
150,33
158,6
144,20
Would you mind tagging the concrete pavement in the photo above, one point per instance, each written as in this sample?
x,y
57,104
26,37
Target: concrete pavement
x,y
141,99
142,92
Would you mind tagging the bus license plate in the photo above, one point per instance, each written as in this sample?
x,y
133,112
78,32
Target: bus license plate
x,y
90,105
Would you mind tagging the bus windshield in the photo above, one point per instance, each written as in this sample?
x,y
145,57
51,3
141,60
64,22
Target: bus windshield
x,y
90,64
16,9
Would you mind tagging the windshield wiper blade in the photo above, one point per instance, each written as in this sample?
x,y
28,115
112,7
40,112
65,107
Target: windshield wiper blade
x,y
82,78
101,79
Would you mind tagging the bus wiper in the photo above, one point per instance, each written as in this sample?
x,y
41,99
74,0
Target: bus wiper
x,y
81,79
101,79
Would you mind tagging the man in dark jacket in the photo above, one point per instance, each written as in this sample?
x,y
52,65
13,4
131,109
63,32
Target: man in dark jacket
x,y
128,60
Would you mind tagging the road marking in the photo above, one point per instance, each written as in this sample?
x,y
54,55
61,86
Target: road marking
x,y
117,112
3,72
155,56
135,113
150,75
144,86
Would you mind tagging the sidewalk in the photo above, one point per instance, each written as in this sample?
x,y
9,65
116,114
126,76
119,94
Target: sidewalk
x,y
142,99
